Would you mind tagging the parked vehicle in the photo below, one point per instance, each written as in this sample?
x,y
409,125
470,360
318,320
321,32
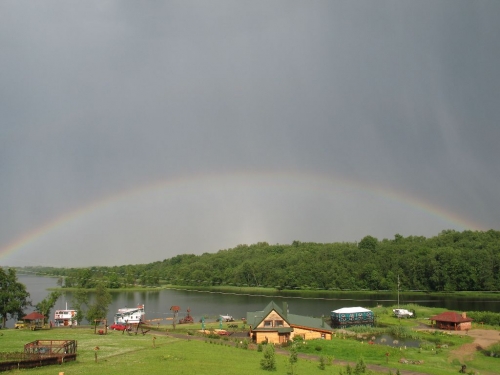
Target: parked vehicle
x,y
20,324
403,313
118,327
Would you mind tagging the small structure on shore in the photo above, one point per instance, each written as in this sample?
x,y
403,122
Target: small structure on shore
x,y
34,320
352,316
452,321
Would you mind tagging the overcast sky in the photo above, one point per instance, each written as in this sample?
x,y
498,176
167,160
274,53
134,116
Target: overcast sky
x,y
134,131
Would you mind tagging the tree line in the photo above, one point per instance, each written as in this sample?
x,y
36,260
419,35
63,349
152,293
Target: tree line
x,y
450,261
15,299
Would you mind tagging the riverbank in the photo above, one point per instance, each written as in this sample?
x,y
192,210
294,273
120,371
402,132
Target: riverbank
x,y
297,292
331,292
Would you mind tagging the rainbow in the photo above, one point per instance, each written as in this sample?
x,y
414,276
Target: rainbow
x,y
268,180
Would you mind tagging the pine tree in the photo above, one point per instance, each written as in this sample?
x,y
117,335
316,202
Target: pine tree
x,y
269,361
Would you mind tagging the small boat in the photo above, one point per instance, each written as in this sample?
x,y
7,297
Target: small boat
x,y
65,318
132,315
226,318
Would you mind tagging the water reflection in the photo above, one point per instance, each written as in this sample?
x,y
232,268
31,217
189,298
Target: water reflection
x,y
394,341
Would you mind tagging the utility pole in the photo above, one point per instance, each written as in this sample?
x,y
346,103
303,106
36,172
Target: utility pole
x,y
398,291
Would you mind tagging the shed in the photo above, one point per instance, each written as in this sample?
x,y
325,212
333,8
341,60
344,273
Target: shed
x,y
352,316
35,319
452,321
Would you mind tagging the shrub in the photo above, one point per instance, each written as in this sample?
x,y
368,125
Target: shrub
x,y
321,365
400,331
493,350
360,367
487,317
269,361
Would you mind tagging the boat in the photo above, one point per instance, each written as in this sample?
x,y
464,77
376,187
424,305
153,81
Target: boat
x,y
132,315
225,318
65,318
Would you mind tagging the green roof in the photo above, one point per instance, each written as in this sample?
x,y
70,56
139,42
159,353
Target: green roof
x,y
308,321
256,317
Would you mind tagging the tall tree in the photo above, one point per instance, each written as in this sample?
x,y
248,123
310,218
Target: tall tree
x,y
13,296
99,308
80,303
45,305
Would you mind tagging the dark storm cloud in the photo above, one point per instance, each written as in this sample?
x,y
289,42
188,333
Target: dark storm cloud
x,y
101,97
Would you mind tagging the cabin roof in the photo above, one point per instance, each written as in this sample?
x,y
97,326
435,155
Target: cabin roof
x,y
34,316
256,317
308,322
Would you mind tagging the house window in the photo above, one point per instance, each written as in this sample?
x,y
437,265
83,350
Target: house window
x,y
268,323
278,323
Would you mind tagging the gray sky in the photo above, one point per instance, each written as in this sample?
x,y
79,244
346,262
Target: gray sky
x,y
134,131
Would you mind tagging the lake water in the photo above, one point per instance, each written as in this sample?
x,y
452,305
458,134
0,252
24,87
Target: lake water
x,y
157,303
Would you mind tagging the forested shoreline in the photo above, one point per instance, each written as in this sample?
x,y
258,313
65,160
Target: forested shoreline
x,y
451,261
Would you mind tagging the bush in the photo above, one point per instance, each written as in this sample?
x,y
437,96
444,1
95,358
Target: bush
x,y
487,317
321,365
493,350
400,331
269,361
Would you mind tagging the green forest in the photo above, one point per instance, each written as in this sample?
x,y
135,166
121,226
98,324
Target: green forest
x,y
450,261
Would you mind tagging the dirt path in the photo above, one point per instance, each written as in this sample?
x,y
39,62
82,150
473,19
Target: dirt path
x,y
482,339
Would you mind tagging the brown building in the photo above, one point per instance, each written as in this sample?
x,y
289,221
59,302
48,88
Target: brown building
x,y
276,325
452,321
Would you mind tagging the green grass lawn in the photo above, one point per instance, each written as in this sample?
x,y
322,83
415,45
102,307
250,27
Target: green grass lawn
x,y
130,355
124,354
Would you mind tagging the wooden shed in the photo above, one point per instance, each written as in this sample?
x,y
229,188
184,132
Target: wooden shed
x,y
452,321
34,320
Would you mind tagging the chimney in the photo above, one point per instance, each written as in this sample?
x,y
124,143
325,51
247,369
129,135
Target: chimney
x,y
464,315
285,309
